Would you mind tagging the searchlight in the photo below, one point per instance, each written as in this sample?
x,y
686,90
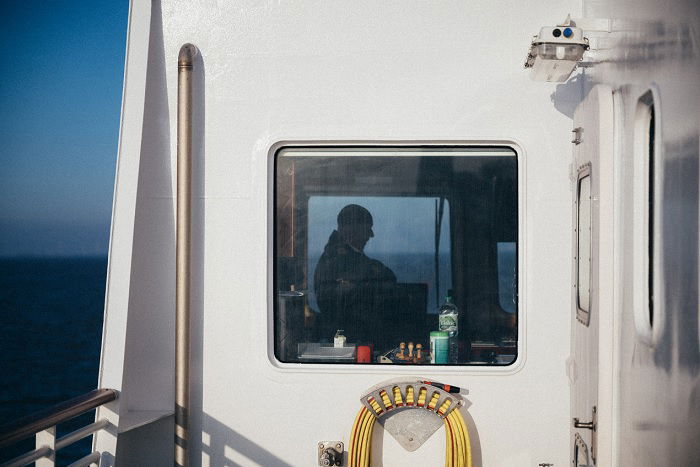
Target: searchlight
x,y
555,52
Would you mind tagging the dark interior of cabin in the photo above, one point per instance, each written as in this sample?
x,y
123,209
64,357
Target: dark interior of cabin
x,y
475,209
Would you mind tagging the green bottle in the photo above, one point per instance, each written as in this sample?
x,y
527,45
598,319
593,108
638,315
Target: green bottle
x,y
448,321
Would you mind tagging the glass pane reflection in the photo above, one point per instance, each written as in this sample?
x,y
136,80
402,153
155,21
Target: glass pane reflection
x,y
371,243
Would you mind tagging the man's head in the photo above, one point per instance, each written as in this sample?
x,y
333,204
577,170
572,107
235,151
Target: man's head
x,y
355,225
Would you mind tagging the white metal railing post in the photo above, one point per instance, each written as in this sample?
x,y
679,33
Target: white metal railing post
x,y
42,425
47,438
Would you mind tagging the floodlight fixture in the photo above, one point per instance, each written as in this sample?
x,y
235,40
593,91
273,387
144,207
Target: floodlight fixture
x,y
555,52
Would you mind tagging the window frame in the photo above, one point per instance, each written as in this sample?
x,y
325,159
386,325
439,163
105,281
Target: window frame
x,y
583,316
647,200
331,368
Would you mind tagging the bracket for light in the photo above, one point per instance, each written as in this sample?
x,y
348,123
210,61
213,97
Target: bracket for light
x,y
555,52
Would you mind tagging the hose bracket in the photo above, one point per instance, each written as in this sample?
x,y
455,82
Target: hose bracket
x,y
410,410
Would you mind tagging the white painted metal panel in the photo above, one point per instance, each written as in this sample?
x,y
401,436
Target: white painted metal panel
x,y
592,341
330,71
393,71
653,46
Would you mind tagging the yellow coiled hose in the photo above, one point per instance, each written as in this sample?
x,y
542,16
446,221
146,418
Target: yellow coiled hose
x,y
361,439
458,446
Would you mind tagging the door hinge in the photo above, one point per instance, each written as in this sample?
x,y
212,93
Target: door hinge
x,y
593,426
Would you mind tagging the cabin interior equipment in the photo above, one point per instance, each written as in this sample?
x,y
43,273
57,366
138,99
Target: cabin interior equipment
x,y
479,191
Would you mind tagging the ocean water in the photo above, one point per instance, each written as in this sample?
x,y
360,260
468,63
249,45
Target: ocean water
x,y
51,312
50,334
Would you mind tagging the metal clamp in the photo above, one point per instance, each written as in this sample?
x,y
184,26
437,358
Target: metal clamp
x,y
577,136
330,453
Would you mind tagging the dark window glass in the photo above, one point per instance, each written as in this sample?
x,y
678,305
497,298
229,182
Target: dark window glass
x,y
507,279
372,243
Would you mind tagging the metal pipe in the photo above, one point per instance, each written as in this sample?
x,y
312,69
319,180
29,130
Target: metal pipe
x,y
92,458
28,458
77,435
185,60
39,421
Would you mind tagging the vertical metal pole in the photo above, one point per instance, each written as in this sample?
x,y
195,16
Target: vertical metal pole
x,y
183,247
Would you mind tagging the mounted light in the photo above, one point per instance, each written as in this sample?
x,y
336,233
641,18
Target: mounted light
x,y
555,52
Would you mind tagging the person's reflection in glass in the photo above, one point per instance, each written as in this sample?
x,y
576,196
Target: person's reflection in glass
x,y
353,291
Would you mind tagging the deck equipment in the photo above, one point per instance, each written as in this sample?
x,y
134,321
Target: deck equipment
x,y
411,424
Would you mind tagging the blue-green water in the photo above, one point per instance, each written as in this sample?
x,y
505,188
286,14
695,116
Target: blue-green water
x,y
50,332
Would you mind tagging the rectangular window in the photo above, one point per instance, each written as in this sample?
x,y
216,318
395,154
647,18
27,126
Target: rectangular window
x,y
372,244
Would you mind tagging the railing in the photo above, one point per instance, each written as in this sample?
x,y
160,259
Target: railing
x,y
43,425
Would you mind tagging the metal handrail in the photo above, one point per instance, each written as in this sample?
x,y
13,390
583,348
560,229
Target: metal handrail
x,y
92,458
29,457
30,425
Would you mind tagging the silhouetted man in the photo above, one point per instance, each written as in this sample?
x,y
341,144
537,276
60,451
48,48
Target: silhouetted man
x,y
353,291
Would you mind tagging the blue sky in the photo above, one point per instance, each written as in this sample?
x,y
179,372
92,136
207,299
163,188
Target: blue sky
x,y
60,99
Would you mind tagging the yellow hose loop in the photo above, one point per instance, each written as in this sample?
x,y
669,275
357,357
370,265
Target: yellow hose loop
x,y
445,405
454,422
385,399
361,439
409,395
459,442
355,435
363,445
355,458
397,396
458,452
433,400
375,405
449,445
369,442
467,440
366,453
422,392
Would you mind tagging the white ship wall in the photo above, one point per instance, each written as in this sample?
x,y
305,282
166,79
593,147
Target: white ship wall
x,y
656,46
355,71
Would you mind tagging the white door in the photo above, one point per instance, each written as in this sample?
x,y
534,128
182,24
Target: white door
x,y
593,193
387,109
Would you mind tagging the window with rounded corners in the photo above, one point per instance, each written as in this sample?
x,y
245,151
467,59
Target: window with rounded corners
x,y
584,226
648,316
382,251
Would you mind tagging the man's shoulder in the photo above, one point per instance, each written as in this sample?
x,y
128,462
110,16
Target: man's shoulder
x,y
381,271
333,254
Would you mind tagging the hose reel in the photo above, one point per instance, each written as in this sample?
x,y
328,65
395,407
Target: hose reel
x,y
411,411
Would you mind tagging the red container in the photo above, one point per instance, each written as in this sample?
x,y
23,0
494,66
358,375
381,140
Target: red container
x,y
364,354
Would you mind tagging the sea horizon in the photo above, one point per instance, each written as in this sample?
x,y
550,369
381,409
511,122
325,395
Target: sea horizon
x,y
52,311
